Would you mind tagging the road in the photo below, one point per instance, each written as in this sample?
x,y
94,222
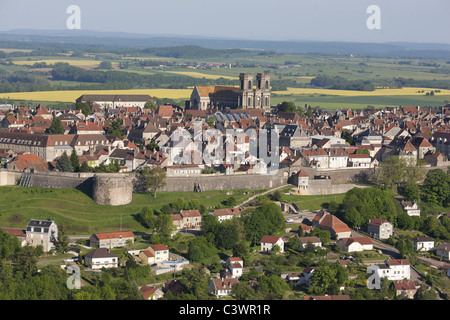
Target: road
x,y
261,194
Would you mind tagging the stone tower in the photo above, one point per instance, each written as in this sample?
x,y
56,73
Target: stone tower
x,y
248,95
112,189
262,94
258,97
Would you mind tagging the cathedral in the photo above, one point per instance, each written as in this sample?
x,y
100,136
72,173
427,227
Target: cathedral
x,y
247,96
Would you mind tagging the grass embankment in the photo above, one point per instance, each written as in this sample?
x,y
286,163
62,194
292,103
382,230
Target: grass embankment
x,y
83,216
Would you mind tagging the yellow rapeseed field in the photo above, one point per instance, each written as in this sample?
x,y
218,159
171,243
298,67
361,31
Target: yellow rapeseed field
x,y
72,95
350,93
73,62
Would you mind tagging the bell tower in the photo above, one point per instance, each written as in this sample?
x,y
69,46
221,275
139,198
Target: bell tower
x,y
263,90
246,85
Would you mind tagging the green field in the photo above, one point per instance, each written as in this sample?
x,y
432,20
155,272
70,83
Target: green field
x,y
82,215
361,102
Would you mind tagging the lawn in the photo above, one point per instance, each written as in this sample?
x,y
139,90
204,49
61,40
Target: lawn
x,y
82,215
312,203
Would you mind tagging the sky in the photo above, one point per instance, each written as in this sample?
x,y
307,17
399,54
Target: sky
x,y
423,21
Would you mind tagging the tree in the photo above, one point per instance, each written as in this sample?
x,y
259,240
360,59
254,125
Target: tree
x,y
411,191
85,167
436,188
105,65
164,227
75,161
115,129
150,104
155,179
391,172
405,246
83,107
26,261
63,164
62,244
211,121
56,127
324,277
147,218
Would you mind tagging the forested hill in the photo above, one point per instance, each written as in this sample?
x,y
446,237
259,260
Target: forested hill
x,y
189,52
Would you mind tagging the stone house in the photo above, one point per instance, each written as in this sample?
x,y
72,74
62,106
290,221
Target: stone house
x,y
42,232
111,239
191,219
407,288
441,141
443,250
268,242
380,228
146,256
101,258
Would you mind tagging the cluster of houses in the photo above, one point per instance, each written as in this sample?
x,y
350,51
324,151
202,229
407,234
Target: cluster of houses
x,y
45,234
148,136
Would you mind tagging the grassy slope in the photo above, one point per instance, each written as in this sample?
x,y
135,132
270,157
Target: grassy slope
x,y
82,215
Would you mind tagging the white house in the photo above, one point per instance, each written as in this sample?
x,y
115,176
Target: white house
x,y
222,286
397,269
236,266
423,243
355,244
359,160
227,213
268,242
411,208
101,258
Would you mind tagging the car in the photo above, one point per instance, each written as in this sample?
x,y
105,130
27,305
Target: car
x,y
289,220
154,265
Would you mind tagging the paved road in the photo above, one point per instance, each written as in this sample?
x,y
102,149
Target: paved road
x,y
261,194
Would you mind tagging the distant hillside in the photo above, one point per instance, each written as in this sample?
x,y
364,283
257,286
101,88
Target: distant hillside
x,y
191,52
24,38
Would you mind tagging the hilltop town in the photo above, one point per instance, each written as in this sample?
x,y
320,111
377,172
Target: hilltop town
x,y
390,163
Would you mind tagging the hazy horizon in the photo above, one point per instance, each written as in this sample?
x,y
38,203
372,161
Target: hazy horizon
x,y
321,20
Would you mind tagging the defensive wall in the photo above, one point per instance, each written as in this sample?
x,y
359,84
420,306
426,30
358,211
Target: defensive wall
x,y
117,189
211,182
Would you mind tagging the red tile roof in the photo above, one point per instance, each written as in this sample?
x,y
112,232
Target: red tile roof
x,y
114,235
270,239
